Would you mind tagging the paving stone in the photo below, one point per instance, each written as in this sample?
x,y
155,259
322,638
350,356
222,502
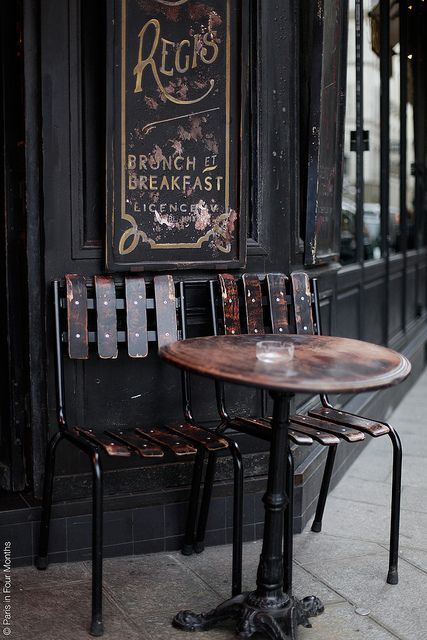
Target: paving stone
x,y
371,522
311,547
31,578
400,608
143,585
418,557
63,613
340,622
362,490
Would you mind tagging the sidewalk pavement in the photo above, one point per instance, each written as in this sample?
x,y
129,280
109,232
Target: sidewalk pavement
x,y
345,565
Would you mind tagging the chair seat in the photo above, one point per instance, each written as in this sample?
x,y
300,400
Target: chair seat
x,y
150,442
372,427
341,431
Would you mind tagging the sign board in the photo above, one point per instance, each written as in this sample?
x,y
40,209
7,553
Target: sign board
x,y
173,135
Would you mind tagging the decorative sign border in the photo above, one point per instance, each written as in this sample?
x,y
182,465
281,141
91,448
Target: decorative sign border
x,y
201,231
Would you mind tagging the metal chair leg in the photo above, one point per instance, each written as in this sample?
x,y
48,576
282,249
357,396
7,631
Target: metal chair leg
x,y
97,627
42,558
326,480
189,539
392,577
199,543
289,527
236,580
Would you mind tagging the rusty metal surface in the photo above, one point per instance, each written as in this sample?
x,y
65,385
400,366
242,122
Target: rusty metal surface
x,y
78,339
322,364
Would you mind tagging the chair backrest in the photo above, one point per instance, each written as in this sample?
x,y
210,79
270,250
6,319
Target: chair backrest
x,y
106,313
272,303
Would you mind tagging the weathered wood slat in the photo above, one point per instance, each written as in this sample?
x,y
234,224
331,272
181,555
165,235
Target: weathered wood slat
x,y
209,440
365,425
106,316
265,426
276,283
168,440
253,303
164,293
142,446
78,344
230,304
302,303
104,442
344,432
327,439
136,317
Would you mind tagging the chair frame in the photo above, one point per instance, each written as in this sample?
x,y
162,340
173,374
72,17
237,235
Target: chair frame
x,y
93,448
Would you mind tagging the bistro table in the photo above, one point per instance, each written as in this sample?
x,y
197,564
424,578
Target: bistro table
x,y
320,364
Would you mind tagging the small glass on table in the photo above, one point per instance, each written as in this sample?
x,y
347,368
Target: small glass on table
x,y
274,351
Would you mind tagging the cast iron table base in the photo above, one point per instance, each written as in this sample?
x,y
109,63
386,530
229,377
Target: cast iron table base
x,y
276,617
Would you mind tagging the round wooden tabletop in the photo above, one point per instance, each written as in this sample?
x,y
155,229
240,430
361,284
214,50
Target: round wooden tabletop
x,y
321,364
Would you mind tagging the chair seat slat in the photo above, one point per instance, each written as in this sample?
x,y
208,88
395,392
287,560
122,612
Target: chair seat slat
x,y
341,431
142,446
169,440
209,440
302,303
104,442
372,427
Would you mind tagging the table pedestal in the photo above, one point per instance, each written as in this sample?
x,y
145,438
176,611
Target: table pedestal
x,y
268,609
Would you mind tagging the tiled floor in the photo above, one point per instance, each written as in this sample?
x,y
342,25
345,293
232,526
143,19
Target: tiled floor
x,y
345,565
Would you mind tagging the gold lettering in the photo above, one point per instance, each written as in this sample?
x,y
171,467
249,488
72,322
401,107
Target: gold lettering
x,y
164,54
149,61
219,179
131,162
143,163
208,183
174,184
153,183
178,66
133,181
142,64
191,163
197,183
209,41
164,183
178,163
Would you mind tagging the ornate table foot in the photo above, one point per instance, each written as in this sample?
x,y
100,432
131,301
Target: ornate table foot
x,y
277,623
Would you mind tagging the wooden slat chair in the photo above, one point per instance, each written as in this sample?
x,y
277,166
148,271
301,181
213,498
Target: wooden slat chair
x,y
85,314
292,306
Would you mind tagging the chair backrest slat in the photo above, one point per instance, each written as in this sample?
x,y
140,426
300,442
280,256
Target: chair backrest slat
x,y
278,306
302,303
165,300
136,317
106,316
78,343
253,304
230,304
